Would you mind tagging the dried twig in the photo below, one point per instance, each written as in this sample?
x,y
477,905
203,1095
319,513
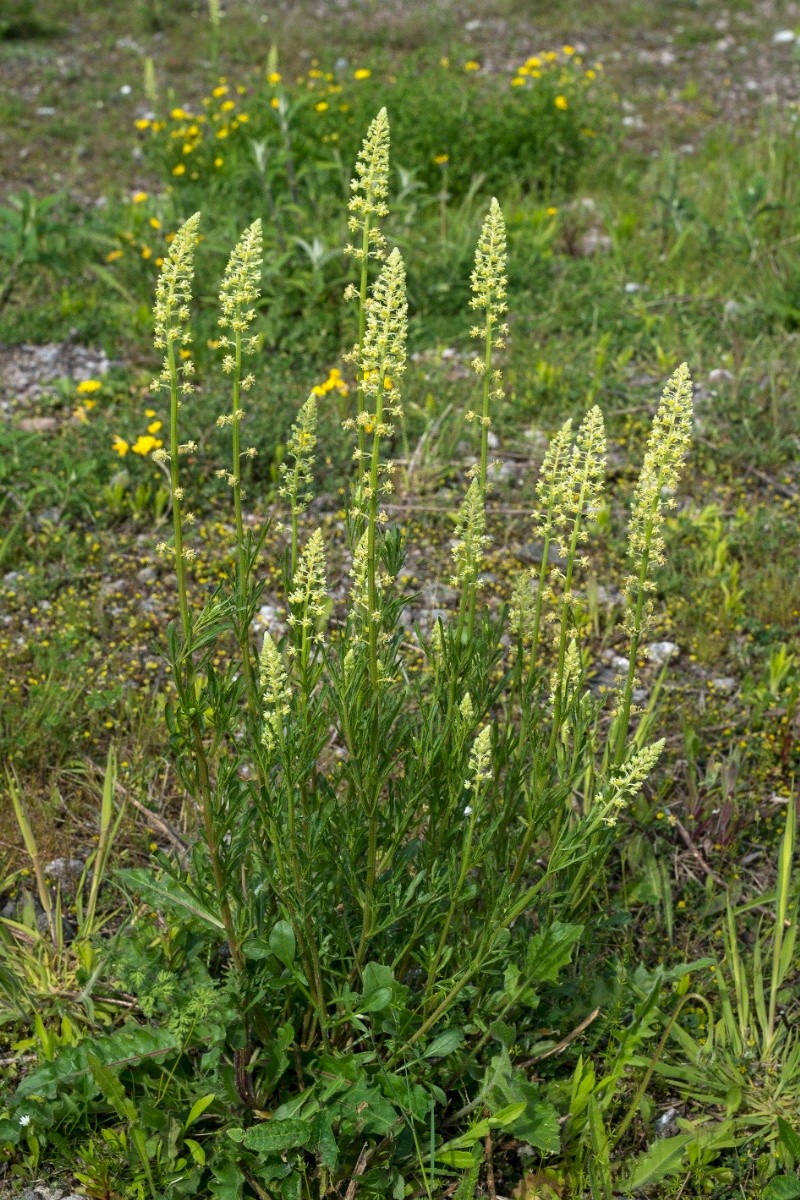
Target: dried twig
x,y
360,1168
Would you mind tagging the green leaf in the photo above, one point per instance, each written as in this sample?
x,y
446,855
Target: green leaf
x,y
198,1108
662,1159
196,1150
551,950
500,1120
783,1187
282,943
376,1001
10,1132
111,1088
273,1137
127,1046
376,975
445,1043
789,1140
169,893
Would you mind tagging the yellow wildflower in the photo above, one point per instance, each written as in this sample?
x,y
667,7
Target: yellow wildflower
x,y
472,65
244,118
144,444
562,103
441,159
444,62
180,169
551,212
120,446
222,90
139,197
154,223
146,252
142,123
179,114
88,387
362,73
274,77
322,106
113,255
154,426
275,102
517,81
227,106
218,161
568,50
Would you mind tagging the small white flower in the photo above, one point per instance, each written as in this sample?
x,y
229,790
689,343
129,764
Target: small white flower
x,y
25,1119
468,811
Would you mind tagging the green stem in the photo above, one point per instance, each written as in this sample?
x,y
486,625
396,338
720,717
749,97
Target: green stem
x,y
362,325
242,566
174,473
465,864
636,633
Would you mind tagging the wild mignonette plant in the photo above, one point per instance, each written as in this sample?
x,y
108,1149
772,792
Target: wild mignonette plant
x,y
393,863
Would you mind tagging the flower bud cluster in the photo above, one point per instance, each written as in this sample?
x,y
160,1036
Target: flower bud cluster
x,y
370,188
297,474
275,692
308,599
171,311
467,550
628,781
653,495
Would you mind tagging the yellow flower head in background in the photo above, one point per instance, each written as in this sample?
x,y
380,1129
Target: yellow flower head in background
x,y
139,197
561,103
274,77
362,73
87,387
145,443
120,446
472,65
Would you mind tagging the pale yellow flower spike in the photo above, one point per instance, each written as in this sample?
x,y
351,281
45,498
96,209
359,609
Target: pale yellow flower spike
x,y
370,188
470,540
652,497
275,691
489,297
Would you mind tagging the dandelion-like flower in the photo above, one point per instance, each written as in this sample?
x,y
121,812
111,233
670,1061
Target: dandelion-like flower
x,y
275,691
467,550
627,782
370,187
